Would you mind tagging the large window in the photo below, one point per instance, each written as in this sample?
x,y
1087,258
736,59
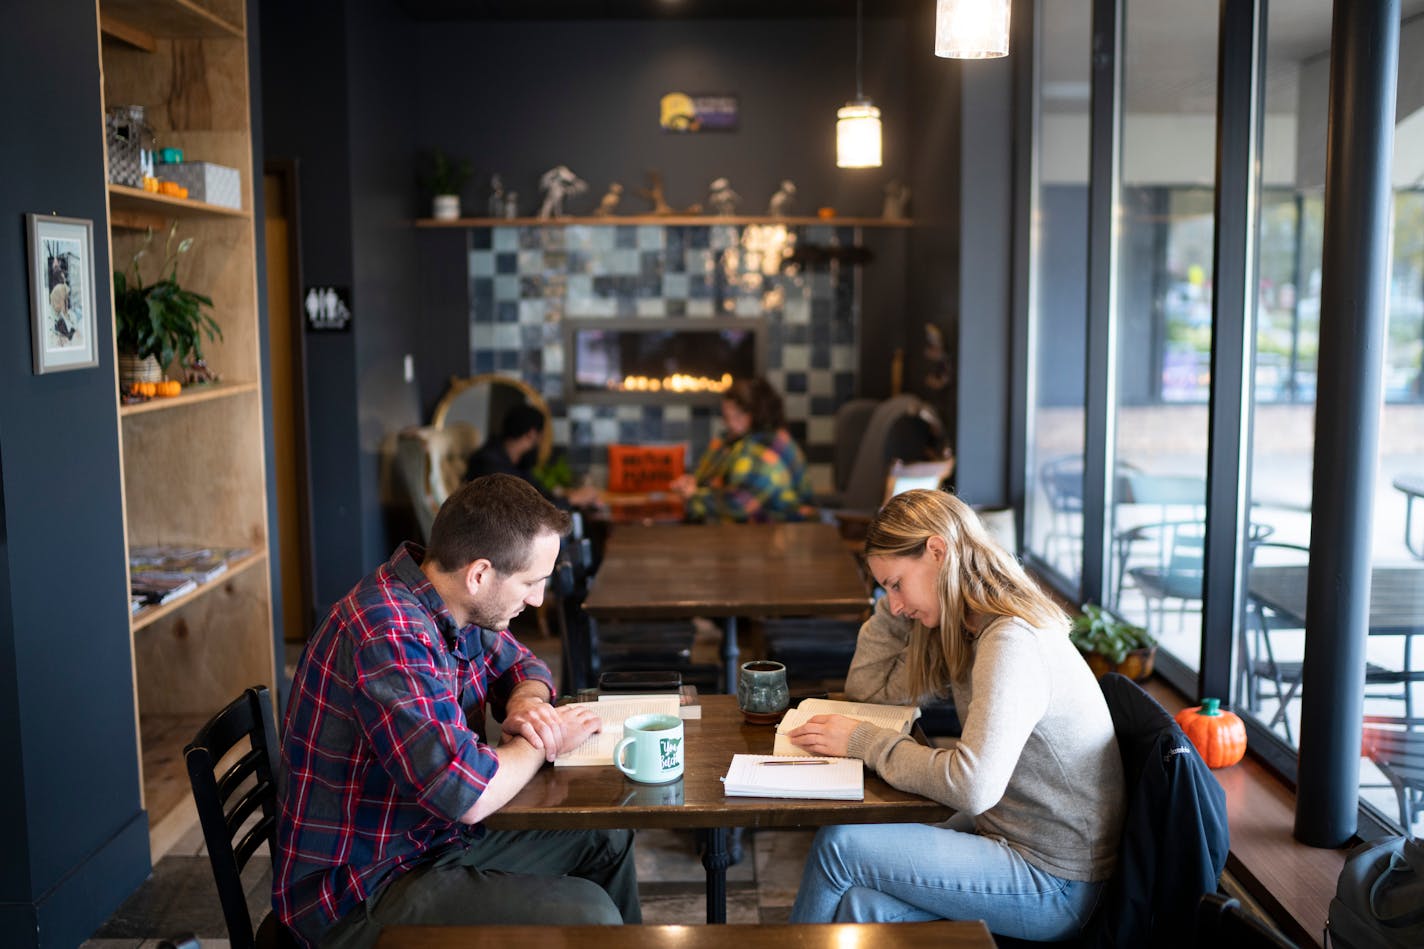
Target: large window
x,y
1157,409
1163,309
1054,507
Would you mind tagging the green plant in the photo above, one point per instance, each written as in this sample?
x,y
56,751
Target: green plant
x,y
163,319
555,473
447,175
1098,631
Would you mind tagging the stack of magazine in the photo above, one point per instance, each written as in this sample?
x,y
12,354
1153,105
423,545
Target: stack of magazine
x,y
164,572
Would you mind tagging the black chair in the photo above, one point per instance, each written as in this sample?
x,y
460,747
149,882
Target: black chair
x,y
227,804
1222,921
1175,838
1396,747
1264,676
590,648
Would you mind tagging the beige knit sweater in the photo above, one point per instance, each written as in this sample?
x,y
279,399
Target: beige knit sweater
x,y
1037,762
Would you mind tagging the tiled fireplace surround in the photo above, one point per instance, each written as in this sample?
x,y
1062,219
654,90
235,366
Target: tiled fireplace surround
x,y
525,281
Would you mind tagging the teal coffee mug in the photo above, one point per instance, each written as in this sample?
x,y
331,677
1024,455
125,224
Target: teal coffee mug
x,y
651,749
762,693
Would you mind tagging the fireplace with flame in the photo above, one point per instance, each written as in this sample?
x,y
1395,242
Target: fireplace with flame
x,y
635,360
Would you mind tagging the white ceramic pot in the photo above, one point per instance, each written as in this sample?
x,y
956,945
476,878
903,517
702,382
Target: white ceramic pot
x,y
446,207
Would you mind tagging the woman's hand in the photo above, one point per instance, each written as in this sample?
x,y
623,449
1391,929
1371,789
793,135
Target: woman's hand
x,y
683,485
824,735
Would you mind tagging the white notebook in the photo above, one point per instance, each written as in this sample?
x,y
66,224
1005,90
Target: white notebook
x,y
597,749
894,717
835,779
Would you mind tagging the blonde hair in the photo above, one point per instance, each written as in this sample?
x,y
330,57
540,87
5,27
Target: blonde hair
x,y
977,576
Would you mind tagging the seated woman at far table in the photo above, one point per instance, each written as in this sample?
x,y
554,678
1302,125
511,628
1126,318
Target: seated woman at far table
x,y
1036,776
755,472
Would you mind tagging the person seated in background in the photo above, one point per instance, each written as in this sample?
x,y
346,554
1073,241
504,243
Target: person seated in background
x,y
387,771
1036,777
754,471
513,452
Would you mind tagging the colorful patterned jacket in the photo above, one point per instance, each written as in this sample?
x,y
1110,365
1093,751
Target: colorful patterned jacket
x,y
759,477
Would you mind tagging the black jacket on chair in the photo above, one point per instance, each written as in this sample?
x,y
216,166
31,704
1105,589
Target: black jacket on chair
x,y
1175,838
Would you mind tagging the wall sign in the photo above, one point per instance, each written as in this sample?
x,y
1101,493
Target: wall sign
x,y
328,309
699,112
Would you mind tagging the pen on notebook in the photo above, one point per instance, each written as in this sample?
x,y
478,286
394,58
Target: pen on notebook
x,y
797,761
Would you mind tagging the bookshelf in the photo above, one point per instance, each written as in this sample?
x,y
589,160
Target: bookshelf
x,y
193,466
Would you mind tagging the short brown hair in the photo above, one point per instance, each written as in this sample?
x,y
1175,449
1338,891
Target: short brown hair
x,y
494,518
757,398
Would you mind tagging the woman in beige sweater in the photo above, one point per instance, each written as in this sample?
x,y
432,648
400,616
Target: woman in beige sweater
x,y
1035,776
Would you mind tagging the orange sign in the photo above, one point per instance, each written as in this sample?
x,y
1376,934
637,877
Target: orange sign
x,y
644,467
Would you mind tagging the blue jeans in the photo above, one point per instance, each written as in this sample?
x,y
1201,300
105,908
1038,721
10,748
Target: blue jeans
x,y
917,872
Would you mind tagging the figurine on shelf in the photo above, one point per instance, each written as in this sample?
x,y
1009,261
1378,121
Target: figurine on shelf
x,y
559,183
897,200
780,205
654,193
196,371
609,203
721,199
511,205
496,198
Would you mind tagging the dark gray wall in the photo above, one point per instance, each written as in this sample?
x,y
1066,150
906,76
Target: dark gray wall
x,y
305,116
519,98
932,278
75,837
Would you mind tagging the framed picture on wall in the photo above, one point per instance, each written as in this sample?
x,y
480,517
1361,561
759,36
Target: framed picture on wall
x,y
62,317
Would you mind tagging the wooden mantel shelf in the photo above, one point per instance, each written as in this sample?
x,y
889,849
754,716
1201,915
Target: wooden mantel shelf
x,y
667,220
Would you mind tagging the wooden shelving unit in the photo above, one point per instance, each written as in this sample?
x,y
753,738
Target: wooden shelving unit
x,y
664,220
193,465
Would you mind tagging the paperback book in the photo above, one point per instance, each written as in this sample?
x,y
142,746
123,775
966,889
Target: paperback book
x,y
899,718
597,749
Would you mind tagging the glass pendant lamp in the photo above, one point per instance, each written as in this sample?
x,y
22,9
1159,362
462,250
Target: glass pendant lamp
x,y
858,121
972,29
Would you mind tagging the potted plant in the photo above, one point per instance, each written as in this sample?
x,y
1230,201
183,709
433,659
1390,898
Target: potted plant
x,y
1111,645
162,321
447,177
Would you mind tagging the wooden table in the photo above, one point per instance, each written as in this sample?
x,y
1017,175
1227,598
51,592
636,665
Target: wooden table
x,y
941,934
678,571
601,797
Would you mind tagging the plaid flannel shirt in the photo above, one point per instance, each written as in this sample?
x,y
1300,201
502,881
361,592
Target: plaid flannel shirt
x,y
759,477
378,755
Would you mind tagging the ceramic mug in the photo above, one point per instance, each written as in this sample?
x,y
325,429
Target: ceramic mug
x,y
651,749
761,690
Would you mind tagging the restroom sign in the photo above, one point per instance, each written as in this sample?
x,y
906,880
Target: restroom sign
x,y
328,309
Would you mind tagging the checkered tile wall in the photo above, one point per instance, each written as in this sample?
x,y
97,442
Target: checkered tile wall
x,y
525,280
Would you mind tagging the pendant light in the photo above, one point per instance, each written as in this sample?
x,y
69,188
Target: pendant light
x,y
971,29
858,122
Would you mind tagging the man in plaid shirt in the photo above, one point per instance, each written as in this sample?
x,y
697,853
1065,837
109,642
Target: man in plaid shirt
x,y
385,775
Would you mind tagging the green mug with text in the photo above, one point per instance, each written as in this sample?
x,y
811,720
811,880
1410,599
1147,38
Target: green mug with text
x,y
651,749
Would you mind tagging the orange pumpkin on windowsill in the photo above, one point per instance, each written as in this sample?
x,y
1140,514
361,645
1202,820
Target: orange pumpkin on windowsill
x,y
1218,735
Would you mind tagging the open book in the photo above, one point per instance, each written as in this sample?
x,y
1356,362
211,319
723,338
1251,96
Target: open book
x,y
894,717
597,749
835,779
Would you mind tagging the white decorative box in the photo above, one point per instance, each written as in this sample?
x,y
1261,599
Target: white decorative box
x,y
205,181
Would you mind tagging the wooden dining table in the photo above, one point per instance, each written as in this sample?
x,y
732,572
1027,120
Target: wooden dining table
x,y
725,571
602,797
938,934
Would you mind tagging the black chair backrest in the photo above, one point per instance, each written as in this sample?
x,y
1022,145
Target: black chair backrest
x,y
1175,839
228,801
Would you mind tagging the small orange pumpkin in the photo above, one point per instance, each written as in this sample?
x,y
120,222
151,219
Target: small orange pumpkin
x,y
1218,734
